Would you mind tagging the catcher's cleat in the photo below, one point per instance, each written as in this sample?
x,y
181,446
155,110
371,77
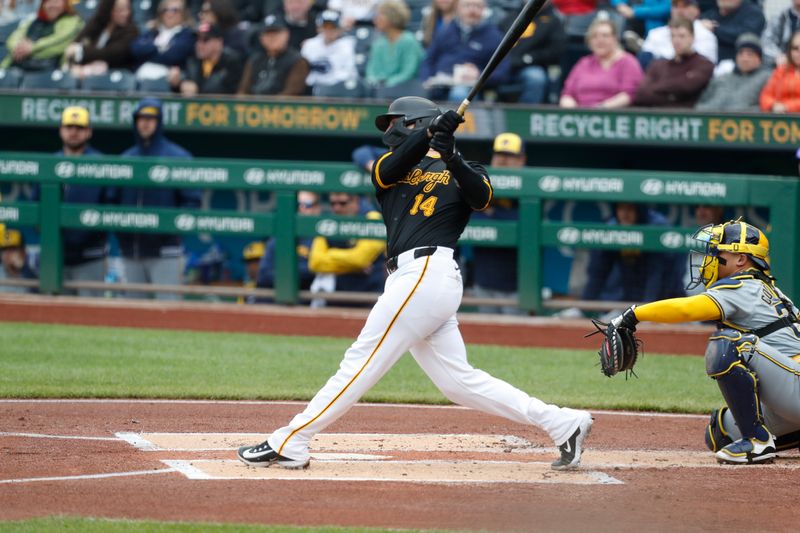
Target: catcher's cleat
x,y
571,450
264,455
716,437
747,451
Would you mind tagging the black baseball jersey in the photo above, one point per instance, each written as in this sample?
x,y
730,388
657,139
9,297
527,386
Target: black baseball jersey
x,y
424,201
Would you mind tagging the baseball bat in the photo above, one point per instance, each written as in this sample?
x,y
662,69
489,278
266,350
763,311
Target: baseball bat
x,y
524,18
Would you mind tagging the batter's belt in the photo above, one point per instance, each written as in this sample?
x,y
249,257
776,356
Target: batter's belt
x,y
391,263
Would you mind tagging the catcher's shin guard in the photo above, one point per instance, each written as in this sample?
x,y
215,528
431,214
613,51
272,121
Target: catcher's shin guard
x,y
738,385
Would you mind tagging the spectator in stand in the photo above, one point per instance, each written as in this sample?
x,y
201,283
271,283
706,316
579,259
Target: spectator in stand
x,y
738,90
434,18
307,205
576,16
275,68
395,55
676,82
658,44
354,12
641,17
12,11
331,54
152,257
84,251
540,47
105,41
223,13
38,43
459,52
778,32
301,18
631,275
14,260
608,77
354,265
781,94
728,20
213,69
495,269
168,42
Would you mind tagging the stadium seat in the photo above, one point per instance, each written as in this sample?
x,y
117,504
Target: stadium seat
x,y
56,80
85,8
345,89
408,88
158,85
143,11
10,78
117,81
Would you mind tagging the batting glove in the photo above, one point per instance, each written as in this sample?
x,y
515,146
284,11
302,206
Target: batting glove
x,y
447,122
445,144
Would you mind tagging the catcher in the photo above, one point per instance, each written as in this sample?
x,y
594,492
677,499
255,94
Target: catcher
x,y
754,355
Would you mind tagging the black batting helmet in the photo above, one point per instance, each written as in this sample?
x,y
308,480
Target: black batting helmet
x,y
413,110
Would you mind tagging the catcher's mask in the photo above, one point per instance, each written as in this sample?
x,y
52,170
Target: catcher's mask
x,y
733,236
413,110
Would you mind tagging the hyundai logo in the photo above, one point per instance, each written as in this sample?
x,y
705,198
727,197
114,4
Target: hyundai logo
x,y
158,173
550,183
327,227
65,169
568,235
90,217
185,222
671,239
351,178
254,176
652,187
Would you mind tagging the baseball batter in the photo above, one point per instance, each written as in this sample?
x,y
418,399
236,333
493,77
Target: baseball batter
x,y
427,192
754,356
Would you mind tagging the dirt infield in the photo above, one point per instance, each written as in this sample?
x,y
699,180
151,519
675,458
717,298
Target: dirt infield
x,y
380,465
640,473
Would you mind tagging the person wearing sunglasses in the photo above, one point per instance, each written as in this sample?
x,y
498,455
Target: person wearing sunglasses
x,y
168,42
350,265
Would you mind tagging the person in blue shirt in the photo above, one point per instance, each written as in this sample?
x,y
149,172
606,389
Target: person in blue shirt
x,y
459,52
155,258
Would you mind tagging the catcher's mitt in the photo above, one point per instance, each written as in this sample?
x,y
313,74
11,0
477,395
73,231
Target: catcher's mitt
x,y
620,348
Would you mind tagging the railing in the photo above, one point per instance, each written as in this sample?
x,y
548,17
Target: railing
x,y
530,234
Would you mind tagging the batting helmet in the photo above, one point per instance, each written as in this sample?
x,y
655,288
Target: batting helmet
x,y
733,236
413,110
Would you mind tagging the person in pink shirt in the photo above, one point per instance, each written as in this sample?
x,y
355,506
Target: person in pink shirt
x,y
608,77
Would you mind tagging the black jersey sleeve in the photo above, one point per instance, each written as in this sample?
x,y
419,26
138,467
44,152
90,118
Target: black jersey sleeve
x,y
394,165
473,180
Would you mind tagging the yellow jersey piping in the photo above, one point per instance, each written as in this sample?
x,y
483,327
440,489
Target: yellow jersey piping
x,y
374,351
378,172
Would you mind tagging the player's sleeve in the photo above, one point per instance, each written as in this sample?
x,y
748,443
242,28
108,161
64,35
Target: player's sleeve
x,y
474,182
700,307
392,166
325,259
735,297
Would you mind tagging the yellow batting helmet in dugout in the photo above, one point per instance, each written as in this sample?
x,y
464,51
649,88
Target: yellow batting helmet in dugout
x,y
253,251
509,143
75,116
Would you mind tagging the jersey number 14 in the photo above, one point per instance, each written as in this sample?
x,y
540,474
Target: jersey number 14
x,y
426,205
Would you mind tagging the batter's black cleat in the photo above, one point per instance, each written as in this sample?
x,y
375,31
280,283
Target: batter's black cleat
x,y
571,450
748,451
264,455
716,436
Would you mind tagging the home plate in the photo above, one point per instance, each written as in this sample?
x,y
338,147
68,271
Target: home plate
x,y
462,472
362,442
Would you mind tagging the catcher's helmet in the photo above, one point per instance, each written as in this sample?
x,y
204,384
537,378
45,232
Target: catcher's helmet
x,y
733,236
413,110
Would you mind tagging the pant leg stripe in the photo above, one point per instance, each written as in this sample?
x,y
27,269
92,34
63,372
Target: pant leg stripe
x,y
371,355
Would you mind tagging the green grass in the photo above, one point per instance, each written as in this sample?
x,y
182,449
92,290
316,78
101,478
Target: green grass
x,y
90,525
43,360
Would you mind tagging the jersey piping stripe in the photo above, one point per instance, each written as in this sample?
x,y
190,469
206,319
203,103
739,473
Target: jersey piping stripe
x,y
721,311
491,193
371,355
778,363
378,172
